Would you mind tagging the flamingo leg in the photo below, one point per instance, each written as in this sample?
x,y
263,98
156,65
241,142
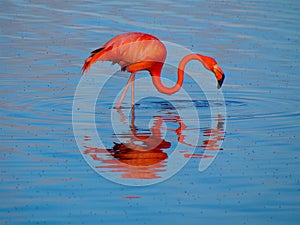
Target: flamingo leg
x,y
131,78
132,91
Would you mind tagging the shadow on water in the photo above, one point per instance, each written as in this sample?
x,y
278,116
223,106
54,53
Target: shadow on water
x,y
144,152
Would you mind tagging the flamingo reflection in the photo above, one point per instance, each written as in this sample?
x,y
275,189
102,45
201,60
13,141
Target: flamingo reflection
x,y
145,154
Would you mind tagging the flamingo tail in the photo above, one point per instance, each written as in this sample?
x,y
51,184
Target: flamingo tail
x,y
95,56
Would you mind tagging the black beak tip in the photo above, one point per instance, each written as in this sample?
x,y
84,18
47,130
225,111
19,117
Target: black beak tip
x,y
220,82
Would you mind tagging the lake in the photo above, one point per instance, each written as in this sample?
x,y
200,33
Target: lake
x,y
202,156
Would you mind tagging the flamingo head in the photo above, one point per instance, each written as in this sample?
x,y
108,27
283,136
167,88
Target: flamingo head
x,y
211,64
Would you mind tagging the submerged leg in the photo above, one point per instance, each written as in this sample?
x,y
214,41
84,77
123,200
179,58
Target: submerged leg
x,y
131,78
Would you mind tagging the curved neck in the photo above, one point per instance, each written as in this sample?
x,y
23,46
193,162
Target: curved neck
x,y
156,75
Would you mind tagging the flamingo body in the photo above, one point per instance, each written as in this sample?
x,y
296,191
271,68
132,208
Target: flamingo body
x,y
128,49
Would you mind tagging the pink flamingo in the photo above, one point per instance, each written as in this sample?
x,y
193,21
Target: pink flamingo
x,y
136,51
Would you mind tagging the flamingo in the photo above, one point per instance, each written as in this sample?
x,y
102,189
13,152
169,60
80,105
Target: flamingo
x,y
136,51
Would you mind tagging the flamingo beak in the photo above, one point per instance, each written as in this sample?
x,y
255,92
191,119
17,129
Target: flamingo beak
x,y
219,75
220,82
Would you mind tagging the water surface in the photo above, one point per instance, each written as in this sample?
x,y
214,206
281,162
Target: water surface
x,y
253,180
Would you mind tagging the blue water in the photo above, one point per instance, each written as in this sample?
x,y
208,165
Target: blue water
x,y
254,178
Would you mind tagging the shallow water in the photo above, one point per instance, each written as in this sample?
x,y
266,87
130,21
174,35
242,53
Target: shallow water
x,y
254,177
